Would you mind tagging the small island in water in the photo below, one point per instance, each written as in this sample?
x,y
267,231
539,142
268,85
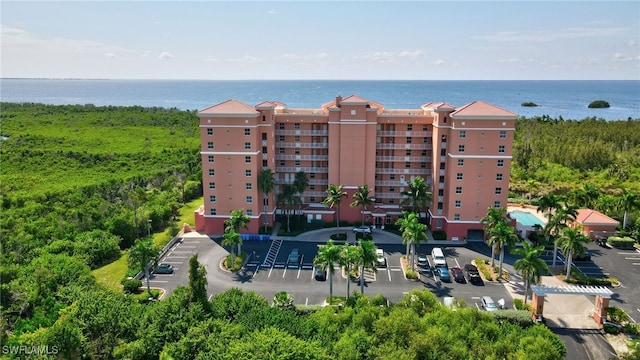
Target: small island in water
x,y
599,104
529,104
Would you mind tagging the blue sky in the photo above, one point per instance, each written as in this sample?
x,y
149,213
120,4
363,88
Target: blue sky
x,y
422,40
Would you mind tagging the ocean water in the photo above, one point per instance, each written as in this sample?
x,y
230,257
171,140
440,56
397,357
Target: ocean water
x,y
568,99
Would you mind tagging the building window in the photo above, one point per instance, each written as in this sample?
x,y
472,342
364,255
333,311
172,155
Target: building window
x,y
296,126
458,203
264,163
247,173
500,148
247,146
353,112
212,212
209,131
249,199
425,140
281,126
212,198
210,158
281,138
499,177
296,138
392,176
443,152
461,148
407,165
247,159
312,199
498,190
441,192
407,152
424,153
441,179
212,185
264,136
312,175
282,162
503,134
458,189
440,206
463,134
459,176
296,151
456,217
392,201
442,165
249,212
423,165
281,150
500,163
460,162
392,189
297,163
408,140
438,224
312,187
210,145
247,131
264,149
409,127
496,204
212,172
248,186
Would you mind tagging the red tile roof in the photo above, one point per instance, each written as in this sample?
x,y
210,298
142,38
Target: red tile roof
x,y
593,217
483,109
229,107
355,99
438,106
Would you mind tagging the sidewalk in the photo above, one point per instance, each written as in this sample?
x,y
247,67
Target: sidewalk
x,y
560,311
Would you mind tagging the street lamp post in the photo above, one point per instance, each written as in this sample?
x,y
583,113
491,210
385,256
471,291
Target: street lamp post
x,y
149,228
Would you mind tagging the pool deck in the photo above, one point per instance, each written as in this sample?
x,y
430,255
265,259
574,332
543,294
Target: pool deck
x,y
528,209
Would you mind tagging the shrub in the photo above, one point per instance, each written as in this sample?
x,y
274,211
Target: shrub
x,y
131,286
439,235
616,314
520,305
518,317
621,242
599,104
339,236
631,328
481,264
610,328
410,274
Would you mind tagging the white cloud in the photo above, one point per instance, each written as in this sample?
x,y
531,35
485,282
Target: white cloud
x,y
438,62
416,54
109,55
165,55
549,35
291,56
631,43
211,59
621,57
512,60
272,12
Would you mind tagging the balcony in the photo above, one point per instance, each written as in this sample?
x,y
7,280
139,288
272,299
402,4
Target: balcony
x,y
403,158
421,172
303,132
304,145
283,169
302,157
405,133
422,146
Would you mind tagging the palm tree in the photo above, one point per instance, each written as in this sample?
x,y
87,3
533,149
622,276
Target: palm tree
x,y
301,183
366,259
494,217
288,199
231,238
628,202
328,255
334,198
349,256
417,196
530,266
266,184
572,243
502,236
563,214
141,254
547,204
413,232
361,198
238,220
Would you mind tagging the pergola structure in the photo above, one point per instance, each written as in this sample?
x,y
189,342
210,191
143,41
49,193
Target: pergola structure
x,y
602,294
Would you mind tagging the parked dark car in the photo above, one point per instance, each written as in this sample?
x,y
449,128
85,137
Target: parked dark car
x,y
320,274
422,260
585,257
163,269
457,274
471,273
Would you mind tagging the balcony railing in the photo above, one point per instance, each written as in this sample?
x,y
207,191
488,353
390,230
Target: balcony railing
x,y
403,146
318,132
422,172
305,145
302,157
409,133
283,169
404,158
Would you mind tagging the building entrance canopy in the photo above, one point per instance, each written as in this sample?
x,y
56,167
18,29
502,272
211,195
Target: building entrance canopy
x,y
542,290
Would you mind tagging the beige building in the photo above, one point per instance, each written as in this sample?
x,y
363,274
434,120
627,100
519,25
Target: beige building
x,y
463,153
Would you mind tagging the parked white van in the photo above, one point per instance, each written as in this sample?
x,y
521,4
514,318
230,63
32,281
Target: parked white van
x,y
438,257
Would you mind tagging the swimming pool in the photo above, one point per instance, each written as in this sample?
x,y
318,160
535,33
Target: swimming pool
x,y
526,218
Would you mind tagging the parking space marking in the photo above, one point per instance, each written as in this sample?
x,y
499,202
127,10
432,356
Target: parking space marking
x,y
174,262
176,256
158,281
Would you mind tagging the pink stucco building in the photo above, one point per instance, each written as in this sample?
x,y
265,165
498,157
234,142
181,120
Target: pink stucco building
x,y
463,153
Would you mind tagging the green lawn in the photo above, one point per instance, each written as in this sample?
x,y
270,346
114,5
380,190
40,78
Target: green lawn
x,y
111,274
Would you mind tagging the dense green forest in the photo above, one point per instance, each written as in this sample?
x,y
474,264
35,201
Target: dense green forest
x,y
81,183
